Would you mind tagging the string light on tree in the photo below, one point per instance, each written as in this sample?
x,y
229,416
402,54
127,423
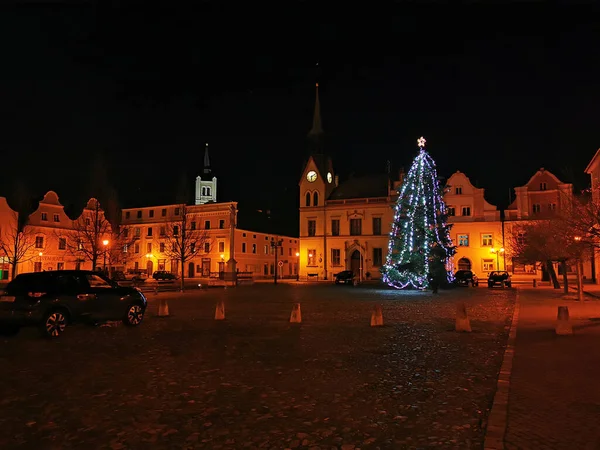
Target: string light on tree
x,y
420,247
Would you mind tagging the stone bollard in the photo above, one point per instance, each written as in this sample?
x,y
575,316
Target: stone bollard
x,y
163,308
462,320
296,316
563,324
377,316
534,283
220,310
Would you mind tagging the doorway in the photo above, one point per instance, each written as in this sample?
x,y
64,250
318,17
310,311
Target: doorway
x,y
205,267
464,264
191,270
355,263
150,268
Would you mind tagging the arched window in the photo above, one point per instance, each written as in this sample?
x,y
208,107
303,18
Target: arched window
x,y
464,264
208,191
308,199
316,199
203,190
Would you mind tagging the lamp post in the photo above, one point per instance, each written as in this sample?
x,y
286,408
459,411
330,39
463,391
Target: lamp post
x,y
297,266
497,253
277,243
105,243
40,254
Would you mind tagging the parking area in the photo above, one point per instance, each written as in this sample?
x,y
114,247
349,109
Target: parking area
x,y
256,381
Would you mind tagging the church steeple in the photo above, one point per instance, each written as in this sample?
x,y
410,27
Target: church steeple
x,y
206,160
315,135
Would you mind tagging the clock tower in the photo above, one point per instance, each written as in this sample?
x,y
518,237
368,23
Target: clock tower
x,y
206,189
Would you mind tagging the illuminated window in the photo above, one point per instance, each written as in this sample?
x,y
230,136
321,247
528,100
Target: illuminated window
x,y
486,240
463,240
488,265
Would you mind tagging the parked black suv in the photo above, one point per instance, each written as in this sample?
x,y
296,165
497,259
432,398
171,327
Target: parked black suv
x,y
499,277
465,277
164,275
53,299
345,277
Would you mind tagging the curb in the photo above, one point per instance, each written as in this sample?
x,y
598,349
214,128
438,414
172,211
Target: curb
x,y
498,418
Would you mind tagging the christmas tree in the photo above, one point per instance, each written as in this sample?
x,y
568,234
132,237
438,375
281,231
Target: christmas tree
x,y
420,248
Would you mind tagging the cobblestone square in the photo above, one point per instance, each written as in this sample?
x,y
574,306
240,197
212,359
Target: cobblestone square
x,y
256,381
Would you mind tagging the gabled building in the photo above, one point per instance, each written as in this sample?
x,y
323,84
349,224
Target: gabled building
x,y
343,225
8,229
477,227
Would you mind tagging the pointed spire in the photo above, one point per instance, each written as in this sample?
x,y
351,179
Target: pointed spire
x,y
206,160
317,128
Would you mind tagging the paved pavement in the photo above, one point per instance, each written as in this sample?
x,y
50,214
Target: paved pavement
x,y
554,399
257,381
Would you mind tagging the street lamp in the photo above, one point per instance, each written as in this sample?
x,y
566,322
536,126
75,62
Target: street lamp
x,y
297,266
40,254
105,243
497,253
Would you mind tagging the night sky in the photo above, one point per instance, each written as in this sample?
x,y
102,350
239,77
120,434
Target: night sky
x,y
498,92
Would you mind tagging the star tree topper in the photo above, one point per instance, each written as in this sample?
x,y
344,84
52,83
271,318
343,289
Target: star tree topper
x,y
421,142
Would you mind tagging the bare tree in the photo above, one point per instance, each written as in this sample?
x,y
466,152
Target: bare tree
x,y
89,231
546,241
17,242
183,239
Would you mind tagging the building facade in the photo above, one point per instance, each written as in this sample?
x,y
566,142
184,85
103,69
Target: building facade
x,y
8,230
477,230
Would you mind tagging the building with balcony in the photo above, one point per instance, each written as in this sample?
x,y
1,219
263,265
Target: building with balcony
x,y
476,227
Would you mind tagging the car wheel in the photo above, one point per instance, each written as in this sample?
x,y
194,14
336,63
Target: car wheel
x,y
490,285
134,316
9,330
508,285
54,323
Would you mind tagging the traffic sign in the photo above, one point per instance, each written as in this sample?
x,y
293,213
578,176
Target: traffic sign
x,y
280,263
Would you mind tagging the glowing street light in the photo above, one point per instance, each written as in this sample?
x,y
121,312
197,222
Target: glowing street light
x,y
497,252
105,242
298,266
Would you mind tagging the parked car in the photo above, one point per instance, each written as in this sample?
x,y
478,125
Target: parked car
x,y
498,277
465,277
344,277
164,275
54,299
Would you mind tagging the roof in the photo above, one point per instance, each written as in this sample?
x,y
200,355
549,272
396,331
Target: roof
x,y
367,186
589,167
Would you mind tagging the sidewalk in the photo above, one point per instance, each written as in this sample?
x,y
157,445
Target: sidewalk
x,y
554,394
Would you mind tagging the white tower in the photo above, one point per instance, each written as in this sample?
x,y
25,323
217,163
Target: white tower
x,y
206,190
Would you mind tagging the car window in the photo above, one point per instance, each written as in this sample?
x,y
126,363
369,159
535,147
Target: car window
x,y
69,283
97,282
22,284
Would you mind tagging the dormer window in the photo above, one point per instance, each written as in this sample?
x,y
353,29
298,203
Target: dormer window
x,y
537,208
466,210
543,186
451,211
458,190
44,216
56,218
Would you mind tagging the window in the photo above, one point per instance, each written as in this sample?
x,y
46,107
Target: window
x,y
127,214
316,199
335,227
176,230
193,226
458,190
149,247
253,248
125,232
137,232
290,251
161,247
335,257
207,224
243,247
193,247
136,248
163,212
377,257
87,222
207,247
37,266
377,225
543,186
151,213
312,227
62,244
551,206
521,238
355,227
139,214
96,282
486,240
162,231
221,247
39,242
221,224
60,266
149,232
312,257
537,208
488,265
177,210
463,240
466,210
308,199
243,234
56,218
266,249
451,211
44,216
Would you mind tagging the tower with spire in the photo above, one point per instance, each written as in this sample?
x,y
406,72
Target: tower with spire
x,y
206,189
316,135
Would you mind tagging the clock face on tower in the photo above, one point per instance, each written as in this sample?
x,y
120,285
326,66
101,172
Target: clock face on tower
x,y
329,177
311,176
